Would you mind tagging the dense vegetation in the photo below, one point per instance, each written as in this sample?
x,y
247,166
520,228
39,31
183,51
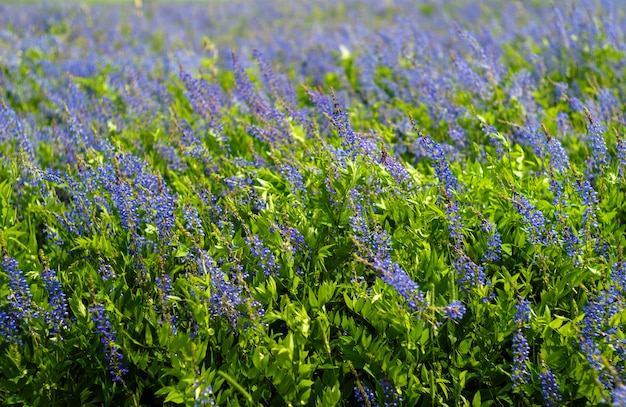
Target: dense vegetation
x,y
340,203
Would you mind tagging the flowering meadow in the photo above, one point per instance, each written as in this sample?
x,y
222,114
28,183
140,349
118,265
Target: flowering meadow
x,y
267,203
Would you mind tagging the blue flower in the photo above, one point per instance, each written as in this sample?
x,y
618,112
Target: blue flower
x,y
164,285
206,99
589,198
112,351
396,169
436,152
105,271
535,224
393,275
256,101
391,397
57,317
19,293
265,256
563,124
193,223
365,396
621,156
595,133
494,242
558,157
618,395
20,311
523,312
294,177
227,295
341,122
470,274
455,224
10,327
549,388
278,86
573,246
468,78
455,310
596,328
520,373
204,395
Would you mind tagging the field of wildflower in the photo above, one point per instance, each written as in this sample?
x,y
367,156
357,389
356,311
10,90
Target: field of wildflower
x,y
267,203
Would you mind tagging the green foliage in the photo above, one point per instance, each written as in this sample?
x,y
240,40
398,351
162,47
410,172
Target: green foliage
x,y
290,286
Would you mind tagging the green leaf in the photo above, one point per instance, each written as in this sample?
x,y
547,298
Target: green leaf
x,y
476,401
175,396
313,299
236,385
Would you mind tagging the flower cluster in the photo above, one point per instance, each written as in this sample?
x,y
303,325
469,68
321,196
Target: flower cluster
x,y
520,370
108,336
599,149
469,273
373,240
207,99
266,258
294,177
227,297
20,309
394,276
535,223
618,395
278,86
455,224
397,170
558,157
523,312
621,156
165,289
203,395
105,271
597,330
549,388
57,317
436,152
375,245
193,223
589,198
455,310
365,396
340,121
494,242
